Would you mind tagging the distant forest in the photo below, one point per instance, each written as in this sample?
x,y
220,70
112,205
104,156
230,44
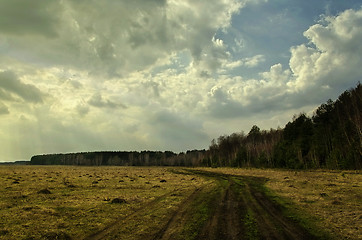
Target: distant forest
x,y
331,139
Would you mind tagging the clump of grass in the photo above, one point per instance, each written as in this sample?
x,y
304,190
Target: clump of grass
x,y
3,232
56,236
44,191
118,200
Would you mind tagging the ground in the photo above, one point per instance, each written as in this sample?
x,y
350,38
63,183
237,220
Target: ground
x,y
177,203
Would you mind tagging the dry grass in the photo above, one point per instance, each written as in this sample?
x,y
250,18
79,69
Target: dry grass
x,y
335,197
38,202
45,202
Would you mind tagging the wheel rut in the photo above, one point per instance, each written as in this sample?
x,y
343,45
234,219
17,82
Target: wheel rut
x,y
244,211
239,209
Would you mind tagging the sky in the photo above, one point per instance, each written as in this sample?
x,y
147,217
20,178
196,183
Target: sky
x,y
90,75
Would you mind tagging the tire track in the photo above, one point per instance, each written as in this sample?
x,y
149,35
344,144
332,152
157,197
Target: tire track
x,y
238,209
245,212
174,224
116,224
226,222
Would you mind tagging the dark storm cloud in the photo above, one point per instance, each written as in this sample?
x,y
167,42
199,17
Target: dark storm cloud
x,y
9,83
28,17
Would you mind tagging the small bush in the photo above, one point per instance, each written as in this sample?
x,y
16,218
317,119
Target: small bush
x,y
324,194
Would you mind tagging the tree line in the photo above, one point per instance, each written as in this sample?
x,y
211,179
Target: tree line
x,y
331,139
122,158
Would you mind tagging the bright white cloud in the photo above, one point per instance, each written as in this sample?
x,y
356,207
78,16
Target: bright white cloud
x,y
328,63
254,61
334,55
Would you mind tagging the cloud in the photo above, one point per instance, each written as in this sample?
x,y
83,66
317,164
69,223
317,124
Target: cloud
x,y
10,83
158,74
114,38
6,95
254,61
321,69
98,101
334,53
3,109
176,131
82,109
222,105
23,17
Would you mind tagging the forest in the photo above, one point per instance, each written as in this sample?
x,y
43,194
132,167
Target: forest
x,y
122,158
331,139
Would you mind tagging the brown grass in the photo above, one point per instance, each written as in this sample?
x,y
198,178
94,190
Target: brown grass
x,y
66,201
40,201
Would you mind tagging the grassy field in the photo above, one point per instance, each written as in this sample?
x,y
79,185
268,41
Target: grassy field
x,y
38,202
68,202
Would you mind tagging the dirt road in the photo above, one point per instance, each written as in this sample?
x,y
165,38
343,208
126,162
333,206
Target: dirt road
x,y
245,212
237,208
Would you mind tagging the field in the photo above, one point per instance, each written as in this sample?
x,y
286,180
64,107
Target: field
x,y
68,202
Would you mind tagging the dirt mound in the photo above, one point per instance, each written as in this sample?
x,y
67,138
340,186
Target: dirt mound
x,y
44,191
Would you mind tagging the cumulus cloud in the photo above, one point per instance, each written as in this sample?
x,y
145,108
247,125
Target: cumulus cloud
x,y
113,38
155,74
334,53
324,67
